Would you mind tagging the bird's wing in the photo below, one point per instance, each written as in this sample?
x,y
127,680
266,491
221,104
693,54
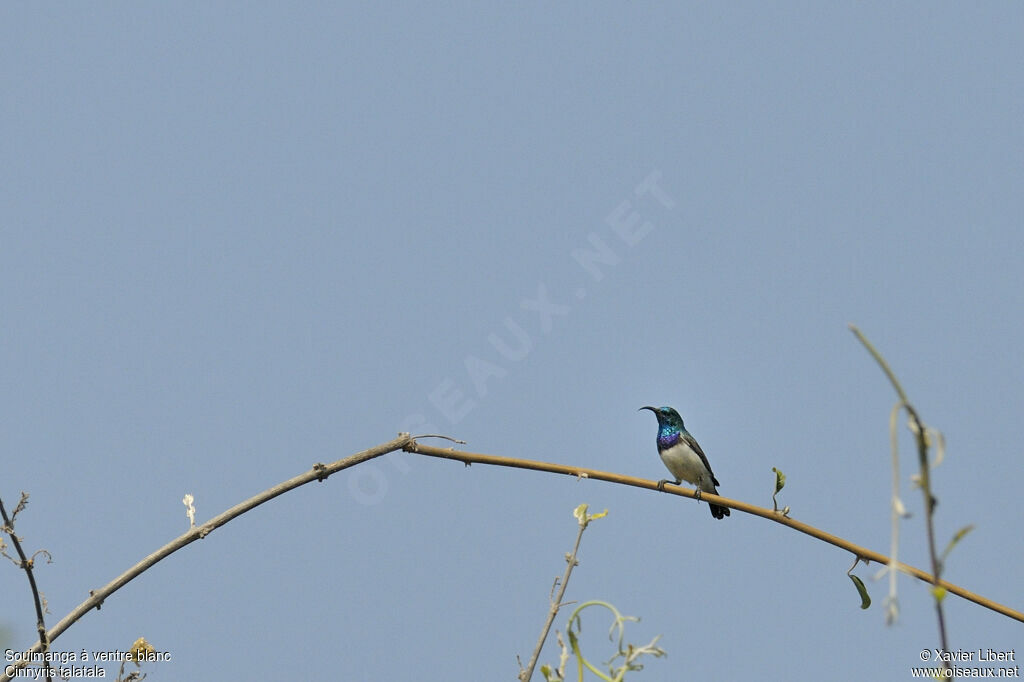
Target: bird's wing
x,y
692,442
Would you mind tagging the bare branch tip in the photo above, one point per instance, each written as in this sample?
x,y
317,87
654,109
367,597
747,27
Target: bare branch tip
x,y
438,435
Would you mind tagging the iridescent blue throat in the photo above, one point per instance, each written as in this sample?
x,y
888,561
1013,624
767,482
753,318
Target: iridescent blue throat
x,y
668,436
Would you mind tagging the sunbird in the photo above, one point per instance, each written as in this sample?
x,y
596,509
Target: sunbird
x,y
683,457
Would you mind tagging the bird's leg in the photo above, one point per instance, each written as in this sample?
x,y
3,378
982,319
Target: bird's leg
x,y
697,487
662,482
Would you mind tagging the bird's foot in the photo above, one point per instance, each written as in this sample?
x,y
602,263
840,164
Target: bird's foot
x,y
662,482
697,494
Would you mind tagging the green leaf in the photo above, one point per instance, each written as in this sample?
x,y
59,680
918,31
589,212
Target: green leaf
x,y
865,598
780,480
957,537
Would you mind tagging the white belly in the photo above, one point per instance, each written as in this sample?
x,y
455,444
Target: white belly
x,y
682,462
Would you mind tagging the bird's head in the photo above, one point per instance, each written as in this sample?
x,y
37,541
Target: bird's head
x,y
667,416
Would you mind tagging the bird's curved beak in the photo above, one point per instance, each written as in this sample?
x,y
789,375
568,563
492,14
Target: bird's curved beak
x,y
648,407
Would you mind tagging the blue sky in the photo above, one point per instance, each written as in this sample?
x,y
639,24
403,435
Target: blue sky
x,y
241,239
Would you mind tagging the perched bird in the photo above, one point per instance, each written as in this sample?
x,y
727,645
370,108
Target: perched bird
x,y
683,456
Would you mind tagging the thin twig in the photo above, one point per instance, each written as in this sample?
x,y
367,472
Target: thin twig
x,y
926,485
881,362
556,603
319,472
896,512
26,564
438,435
583,473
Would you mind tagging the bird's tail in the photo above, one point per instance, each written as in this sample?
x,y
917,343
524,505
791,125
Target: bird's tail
x,y
717,511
